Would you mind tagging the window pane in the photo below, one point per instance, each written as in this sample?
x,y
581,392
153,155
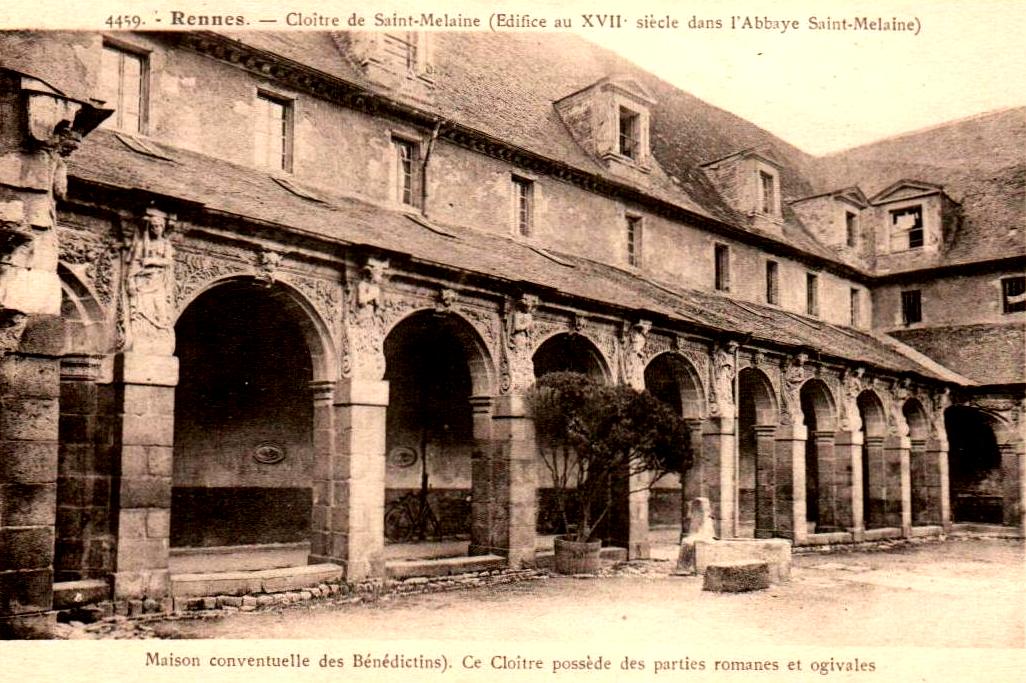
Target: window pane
x,y
1014,294
131,93
110,75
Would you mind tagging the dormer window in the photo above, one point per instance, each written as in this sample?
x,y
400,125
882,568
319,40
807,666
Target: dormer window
x,y
767,193
402,48
851,228
909,220
630,133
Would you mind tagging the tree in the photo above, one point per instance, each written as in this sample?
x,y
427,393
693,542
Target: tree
x,y
596,438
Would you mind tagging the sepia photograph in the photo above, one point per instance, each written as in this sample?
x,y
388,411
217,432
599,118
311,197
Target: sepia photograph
x,y
591,341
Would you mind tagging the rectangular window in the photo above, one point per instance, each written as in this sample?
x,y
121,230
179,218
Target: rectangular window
x,y
123,77
630,133
856,307
851,226
401,49
812,294
634,241
722,267
273,132
911,307
523,205
910,220
772,282
767,193
1013,290
407,187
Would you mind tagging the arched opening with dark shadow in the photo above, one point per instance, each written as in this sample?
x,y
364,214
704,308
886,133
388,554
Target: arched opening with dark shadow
x,y
673,380
925,481
243,451
566,352
974,466
874,478
434,364
818,411
756,424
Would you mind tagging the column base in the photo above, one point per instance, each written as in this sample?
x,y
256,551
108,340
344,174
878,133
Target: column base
x,y
35,626
353,570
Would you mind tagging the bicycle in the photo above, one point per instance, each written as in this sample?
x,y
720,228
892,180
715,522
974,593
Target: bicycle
x,y
411,518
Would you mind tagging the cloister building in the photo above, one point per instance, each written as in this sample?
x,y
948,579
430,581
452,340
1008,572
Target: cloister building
x,y
256,287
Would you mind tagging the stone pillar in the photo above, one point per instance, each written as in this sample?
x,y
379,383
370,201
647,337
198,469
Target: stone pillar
x,y
832,479
935,489
480,476
848,502
898,494
1013,477
765,481
323,397
85,544
142,423
349,487
693,483
29,416
789,501
919,489
506,472
876,471
718,473
638,546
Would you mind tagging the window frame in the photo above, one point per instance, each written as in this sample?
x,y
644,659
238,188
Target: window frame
x,y
399,189
908,296
918,229
812,294
855,306
851,228
773,282
287,105
634,234
721,267
522,205
115,121
632,150
1007,283
768,205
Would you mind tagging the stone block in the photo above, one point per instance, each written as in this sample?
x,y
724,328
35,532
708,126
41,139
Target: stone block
x,y
158,523
148,430
28,504
27,376
737,577
38,626
26,548
774,552
27,462
146,492
138,554
26,591
132,524
137,368
30,419
160,460
68,594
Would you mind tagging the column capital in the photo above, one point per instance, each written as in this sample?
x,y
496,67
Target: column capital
x,y
81,368
323,390
510,405
792,432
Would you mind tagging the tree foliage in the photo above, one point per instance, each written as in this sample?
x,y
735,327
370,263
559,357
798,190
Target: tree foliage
x,y
597,438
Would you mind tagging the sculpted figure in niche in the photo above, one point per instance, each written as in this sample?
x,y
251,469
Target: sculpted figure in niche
x,y
794,377
149,282
852,385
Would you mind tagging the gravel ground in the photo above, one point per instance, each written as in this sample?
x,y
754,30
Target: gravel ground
x,y
907,595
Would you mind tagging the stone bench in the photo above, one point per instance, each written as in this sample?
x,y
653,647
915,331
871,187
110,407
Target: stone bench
x,y
737,577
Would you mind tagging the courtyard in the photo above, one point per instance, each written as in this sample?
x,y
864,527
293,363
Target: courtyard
x,y
961,593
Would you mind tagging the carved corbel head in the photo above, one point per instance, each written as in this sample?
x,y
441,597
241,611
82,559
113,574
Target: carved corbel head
x,y
447,299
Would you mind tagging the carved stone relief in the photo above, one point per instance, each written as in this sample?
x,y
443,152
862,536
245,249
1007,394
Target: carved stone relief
x,y
632,354
721,385
851,386
516,365
793,375
146,316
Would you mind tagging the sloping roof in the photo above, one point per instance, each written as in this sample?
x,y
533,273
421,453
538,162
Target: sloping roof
x,y
980,162
253,194
987,354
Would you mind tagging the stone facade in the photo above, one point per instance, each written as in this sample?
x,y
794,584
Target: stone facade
x,y
247,345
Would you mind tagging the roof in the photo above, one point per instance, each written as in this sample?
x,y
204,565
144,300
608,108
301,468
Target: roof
x,y
987,354
252,194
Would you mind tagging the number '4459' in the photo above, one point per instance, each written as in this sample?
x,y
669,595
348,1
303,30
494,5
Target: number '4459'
x,y
124,21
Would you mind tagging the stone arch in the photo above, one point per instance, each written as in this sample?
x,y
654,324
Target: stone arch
x,y
570,351
85,322
872,464
248,430
297,306
672,377
977,489
483,374
819,411
440,379
757,416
